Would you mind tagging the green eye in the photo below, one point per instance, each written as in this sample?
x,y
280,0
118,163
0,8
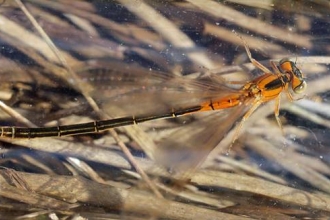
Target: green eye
x,y
301,88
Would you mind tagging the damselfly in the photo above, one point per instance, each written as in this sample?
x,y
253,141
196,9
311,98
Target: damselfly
x,y
245,100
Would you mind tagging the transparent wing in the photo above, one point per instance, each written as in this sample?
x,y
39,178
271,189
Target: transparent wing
x,y
129,90
133,90
188,147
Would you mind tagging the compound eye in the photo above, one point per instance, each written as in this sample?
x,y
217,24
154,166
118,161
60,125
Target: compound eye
x,y
284,60
301,88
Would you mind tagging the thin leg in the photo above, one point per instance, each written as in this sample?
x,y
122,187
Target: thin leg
x,y
252,60
277,113
289,95
291,98
255,105
274,67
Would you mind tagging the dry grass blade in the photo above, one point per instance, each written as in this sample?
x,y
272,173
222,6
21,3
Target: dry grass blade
x,y
80,189
85,89
32,198
253,185
14,30
15,115
253,170
220,10
253,42
296,167
169,31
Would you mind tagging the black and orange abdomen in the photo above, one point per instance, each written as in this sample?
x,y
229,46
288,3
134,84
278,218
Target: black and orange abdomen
x,y
226,102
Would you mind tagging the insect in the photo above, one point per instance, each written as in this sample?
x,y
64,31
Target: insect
x,y
286,76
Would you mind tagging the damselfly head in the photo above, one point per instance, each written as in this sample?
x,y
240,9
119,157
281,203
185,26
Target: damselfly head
x,y
298,83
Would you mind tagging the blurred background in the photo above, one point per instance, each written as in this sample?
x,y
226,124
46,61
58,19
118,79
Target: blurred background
x,y
68,61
